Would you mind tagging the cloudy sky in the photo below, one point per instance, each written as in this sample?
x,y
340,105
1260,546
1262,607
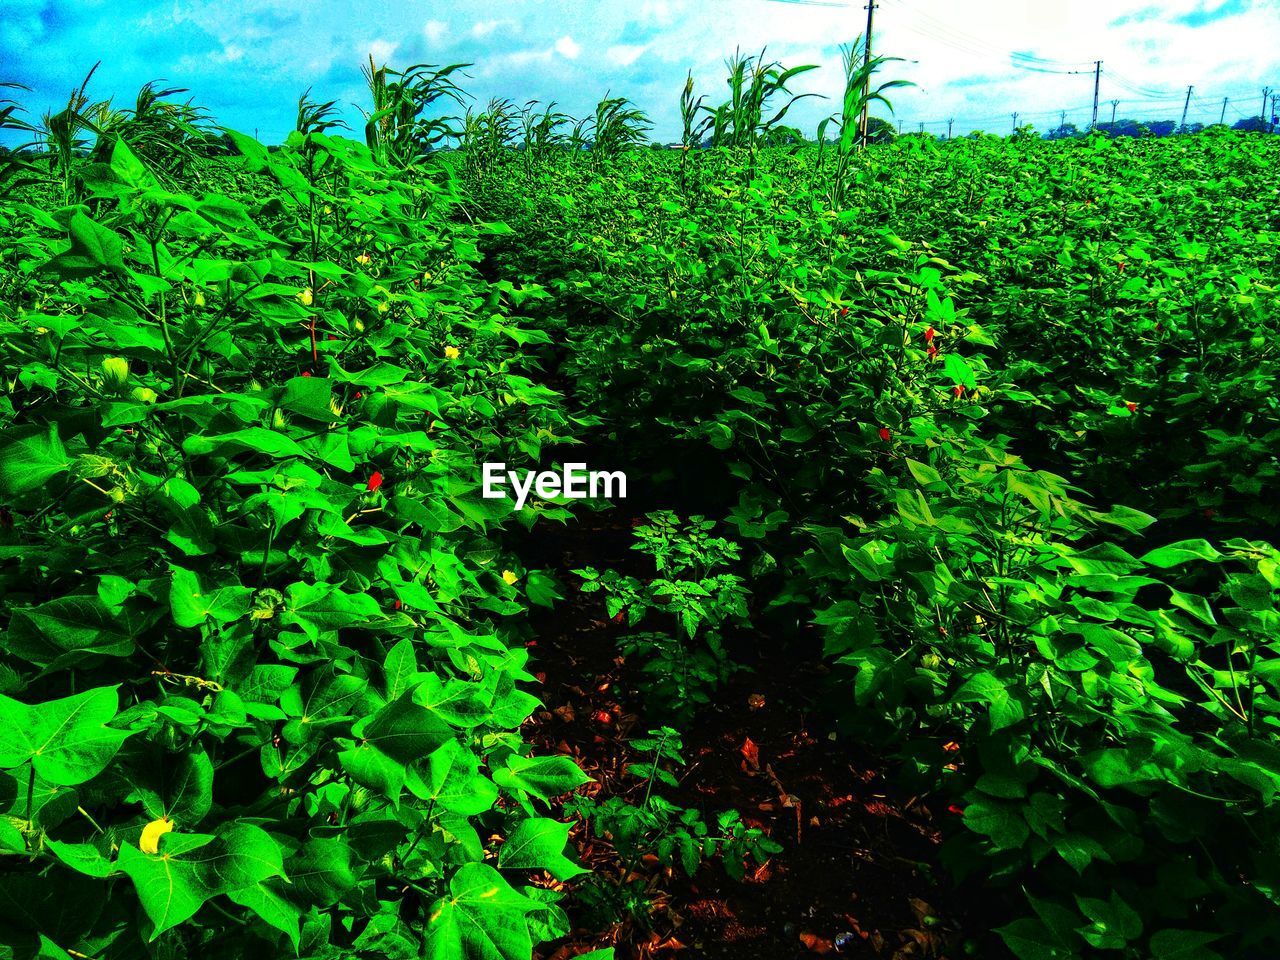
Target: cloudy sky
x,y
976,62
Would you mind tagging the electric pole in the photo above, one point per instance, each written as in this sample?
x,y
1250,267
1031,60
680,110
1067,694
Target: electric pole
x,y
899,128
1062,119
1015,121
1185,107
1223,119
1097,83
949,123
866,84
1275,98
1266,92
922,126
1114,104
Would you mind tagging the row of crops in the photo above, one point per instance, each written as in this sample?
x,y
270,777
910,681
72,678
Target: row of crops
x,y
997,418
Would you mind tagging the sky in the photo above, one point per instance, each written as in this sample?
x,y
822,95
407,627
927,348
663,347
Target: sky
x,y
975,62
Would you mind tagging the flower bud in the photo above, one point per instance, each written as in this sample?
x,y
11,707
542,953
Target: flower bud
x,y
115,372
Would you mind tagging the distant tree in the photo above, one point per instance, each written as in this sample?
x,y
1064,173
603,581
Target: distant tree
x,y
1063,132
782,137
880,130
1161,128
1252,125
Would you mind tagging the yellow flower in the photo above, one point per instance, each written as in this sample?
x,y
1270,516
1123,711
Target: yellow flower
x,y
149,842
426,275
306,297
452,353
384,307
199,298
364,259
508,577
328,209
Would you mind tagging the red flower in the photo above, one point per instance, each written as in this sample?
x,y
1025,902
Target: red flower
x,y
955,811
374,482
958,391
306,373
844,311
398,605
1122,266
359,395
933,351
885,434
1131,406
929,335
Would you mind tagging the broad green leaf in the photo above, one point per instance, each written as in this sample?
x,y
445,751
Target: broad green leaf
x,y
483,918
66,741
194,601
541,777
30,456
189,870
538,843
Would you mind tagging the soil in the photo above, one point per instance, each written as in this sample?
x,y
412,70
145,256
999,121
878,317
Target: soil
x,y
855,875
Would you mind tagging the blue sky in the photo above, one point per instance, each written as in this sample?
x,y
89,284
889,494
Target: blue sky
x,y
977,62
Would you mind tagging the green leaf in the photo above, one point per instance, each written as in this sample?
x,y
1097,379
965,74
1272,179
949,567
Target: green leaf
x,y
961,374
1030,939
175,787
1193,604
542,589
193,868
538,843
1003,823
483,918
1181,552
66,741
30,456
1184,945
453,779
399,668
272,908
194,600
542,777
386,743
69,627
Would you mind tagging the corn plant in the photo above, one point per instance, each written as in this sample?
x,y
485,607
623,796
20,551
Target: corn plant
x,y
858,95
754,83
616,127
487,135
397,129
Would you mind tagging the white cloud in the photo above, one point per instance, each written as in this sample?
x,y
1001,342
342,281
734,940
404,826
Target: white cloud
x,y
483,28
568,48
625,54
381,50
435,30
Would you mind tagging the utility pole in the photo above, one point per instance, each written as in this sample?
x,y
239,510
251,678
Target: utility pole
x,y
1223,119
1185,107
866,84
1275,98
1114,104
1015,121
922,126
950,121
1097,83
1266,92
899,128
1062,119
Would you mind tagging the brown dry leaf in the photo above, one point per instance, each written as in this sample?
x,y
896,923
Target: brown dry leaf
x,y
756,701
816,943
751,753
565,713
